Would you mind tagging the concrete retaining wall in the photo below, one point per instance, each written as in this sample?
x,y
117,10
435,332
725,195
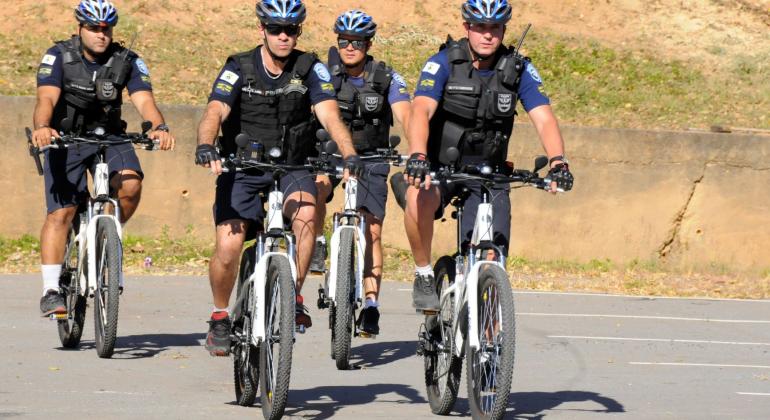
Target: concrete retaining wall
x,y
690,198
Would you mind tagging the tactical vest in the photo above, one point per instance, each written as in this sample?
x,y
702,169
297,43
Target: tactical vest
x,y
92,100
476,114
276,118
365,109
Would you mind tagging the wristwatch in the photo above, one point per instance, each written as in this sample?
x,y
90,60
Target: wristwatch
x,y
162,127
555,158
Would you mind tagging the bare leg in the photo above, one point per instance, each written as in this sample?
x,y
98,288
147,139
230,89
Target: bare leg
x,y
128,184
53,236
301,209
373,257
421,206
230,235
324,186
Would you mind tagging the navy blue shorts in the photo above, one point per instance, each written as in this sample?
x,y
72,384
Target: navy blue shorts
x,y
501,203
65,171
372,189
242,196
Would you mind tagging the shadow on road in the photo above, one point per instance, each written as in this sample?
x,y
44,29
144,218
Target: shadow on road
x,y
323,402
534,405
147,345
381,353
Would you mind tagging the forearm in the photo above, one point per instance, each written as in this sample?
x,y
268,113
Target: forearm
x,y
548,129
417,132
208,129
43,113
341,135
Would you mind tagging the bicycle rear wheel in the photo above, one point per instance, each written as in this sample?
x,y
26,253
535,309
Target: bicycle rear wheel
x,y
342,329
276,350
71,329
490,368
107,293
442,366
246,355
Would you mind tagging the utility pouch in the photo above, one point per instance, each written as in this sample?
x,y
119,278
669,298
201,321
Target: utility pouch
x,y
451,136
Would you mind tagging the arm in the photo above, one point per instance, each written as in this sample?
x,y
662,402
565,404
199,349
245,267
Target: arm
x,y
548,130
47,97
328,114
402,111
215,114
423,109
144,101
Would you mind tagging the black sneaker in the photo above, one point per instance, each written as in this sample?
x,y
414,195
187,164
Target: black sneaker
x,y
52,303
369,320
318,262
218,339
424,296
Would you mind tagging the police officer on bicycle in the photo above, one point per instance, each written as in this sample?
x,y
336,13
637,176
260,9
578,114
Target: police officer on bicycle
x,y
82,80
273,93
466,98
370,94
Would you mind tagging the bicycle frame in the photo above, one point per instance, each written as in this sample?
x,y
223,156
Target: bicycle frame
x,y
467,273
349,219
265,243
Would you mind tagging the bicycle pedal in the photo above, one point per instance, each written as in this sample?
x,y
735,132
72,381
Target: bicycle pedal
x,y
57,316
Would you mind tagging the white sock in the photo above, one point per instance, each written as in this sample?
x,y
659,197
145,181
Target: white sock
x,y
220,310
321,239
425,270
51,273
371,303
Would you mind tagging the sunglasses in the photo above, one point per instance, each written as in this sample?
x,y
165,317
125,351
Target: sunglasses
x,y
290,30
357,44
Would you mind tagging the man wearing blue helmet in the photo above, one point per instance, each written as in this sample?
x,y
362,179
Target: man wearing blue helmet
x,y
466,98
83,79
370,94
267,93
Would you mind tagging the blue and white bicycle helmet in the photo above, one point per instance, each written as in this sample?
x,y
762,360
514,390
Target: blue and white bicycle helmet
x,y
281,12
486,11
355,23
96,13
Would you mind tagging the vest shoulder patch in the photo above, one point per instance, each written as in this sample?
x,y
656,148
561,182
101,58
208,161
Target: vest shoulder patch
x,y
322,72
431,67
48,59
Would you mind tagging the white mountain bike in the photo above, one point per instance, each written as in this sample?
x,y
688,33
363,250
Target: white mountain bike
x,y
93,259
343,291
476,320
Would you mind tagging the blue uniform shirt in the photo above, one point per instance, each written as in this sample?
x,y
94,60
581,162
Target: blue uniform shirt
x,y
227,87
435,75
50,72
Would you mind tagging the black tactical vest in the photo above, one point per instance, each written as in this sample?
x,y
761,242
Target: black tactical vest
x,y
476,114
366,109
276,118
90,100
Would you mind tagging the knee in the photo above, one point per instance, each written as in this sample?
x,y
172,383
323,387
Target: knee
x,y
129,185
60,218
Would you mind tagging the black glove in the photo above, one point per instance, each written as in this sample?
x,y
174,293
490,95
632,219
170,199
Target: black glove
x,y
355,166
205,153
562,176
417,166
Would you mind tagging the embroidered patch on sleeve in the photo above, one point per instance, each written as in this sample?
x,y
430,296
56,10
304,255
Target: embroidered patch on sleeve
x,y
229,77
431,67
48,59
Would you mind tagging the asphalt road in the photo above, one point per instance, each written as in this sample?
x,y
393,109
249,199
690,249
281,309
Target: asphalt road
x,y
578,357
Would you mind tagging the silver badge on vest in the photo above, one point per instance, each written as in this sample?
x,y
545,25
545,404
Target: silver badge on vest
x,y
105,90
371,103
504,101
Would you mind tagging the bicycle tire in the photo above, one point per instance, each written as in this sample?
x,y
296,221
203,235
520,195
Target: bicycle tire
x,y
71,329
443,368
489,385
342,332
280,301
107,293
245,355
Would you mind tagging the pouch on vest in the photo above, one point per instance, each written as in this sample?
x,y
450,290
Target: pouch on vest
x,y
451,136
462,100
299,143
495,147
121,65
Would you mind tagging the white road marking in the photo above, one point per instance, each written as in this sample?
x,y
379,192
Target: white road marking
x,y
761,394
662,340
535,292
670,318
698,365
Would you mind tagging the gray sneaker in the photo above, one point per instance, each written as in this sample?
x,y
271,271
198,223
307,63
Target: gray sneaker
x,y
318,262
52,303
424,296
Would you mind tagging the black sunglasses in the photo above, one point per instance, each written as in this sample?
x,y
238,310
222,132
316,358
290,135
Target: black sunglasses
x,y
357,44
290,30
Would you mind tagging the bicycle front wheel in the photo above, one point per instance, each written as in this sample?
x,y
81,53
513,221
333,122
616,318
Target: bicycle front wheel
x,y
71,329
245,355
276,350
490,368
342,329
107,293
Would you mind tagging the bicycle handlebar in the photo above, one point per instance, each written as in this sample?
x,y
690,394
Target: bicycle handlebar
x,y
485,175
